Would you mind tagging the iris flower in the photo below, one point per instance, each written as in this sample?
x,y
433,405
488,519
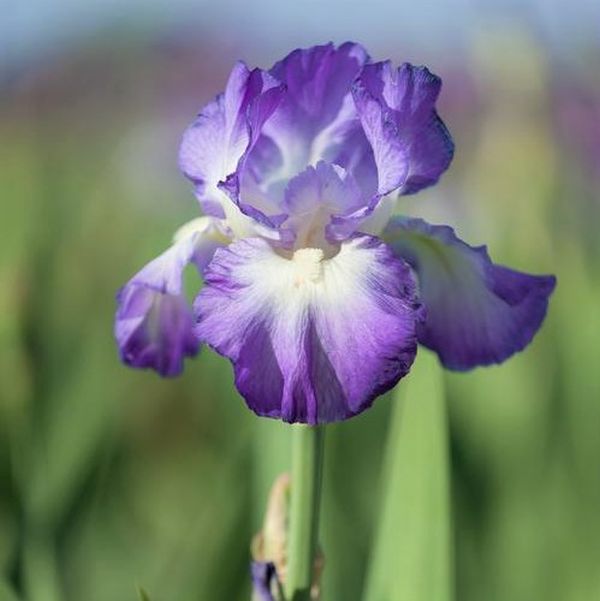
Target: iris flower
x,y
314,289
264,579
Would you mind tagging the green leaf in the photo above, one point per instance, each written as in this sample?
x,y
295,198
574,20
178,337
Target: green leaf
x,y
412,559
272,456
6,592
41,571
142,594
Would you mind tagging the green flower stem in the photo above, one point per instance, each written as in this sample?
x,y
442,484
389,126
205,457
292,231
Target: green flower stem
x,y
307,467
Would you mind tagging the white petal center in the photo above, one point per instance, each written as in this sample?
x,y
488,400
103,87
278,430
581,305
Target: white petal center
x,y
308,265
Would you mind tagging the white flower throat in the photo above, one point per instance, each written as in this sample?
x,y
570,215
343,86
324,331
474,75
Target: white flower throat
x,y
308,265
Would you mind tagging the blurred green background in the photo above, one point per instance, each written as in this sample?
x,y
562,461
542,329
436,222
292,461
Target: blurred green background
x,y
488,482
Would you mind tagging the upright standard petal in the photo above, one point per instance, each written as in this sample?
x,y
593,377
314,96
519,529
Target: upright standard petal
x,y
154,323
318,82
312,340
224,131
411,144
478,313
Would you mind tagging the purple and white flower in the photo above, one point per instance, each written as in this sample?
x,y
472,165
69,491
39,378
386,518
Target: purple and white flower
x,y
313,289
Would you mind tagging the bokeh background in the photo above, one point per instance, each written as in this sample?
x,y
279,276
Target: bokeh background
x,y
111,478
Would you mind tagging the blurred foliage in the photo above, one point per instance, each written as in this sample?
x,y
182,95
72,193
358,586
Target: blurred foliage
x,y
111,477
412,551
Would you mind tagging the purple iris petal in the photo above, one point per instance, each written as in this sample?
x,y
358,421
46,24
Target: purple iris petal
x,y
318,82
312,340
411,144
478,313
263,575
314,121
154,329
313,197
223,132
154,322
256,215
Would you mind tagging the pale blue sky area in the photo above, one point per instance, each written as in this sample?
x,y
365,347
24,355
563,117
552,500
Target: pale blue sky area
x,y
30,27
